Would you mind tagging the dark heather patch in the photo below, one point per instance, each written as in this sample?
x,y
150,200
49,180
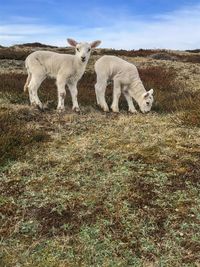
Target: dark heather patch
x,y
10,214
76,215
141,193
11,188
192,249
182,181
16,138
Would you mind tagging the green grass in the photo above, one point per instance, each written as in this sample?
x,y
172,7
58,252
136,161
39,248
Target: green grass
x,y
98,189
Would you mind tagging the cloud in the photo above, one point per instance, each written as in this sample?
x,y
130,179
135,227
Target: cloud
x,y
178,29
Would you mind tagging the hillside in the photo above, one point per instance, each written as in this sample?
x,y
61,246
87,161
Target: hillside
x,y
96,189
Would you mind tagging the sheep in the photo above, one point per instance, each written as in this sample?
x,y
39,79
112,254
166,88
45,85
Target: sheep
x,y
126,80
65,68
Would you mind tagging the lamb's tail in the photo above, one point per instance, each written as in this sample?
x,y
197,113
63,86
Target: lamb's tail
x,y
27,80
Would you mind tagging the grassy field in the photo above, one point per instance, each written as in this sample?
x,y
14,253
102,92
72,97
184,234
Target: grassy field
x,y
96,189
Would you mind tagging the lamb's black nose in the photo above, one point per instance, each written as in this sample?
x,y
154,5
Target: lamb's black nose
x,y
83,59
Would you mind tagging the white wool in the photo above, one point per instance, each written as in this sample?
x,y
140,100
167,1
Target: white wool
x,y
126,80
66,69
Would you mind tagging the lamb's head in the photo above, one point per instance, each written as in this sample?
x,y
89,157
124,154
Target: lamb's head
x,y
83,50
146,101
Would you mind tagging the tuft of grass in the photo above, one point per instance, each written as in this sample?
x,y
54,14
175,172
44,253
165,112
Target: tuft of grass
x,y
189,118
16,137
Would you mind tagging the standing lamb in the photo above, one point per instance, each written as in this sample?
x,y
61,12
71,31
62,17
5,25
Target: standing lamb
x,y
66,69
126,80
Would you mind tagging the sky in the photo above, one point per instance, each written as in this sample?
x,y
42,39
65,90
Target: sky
x,y
119,24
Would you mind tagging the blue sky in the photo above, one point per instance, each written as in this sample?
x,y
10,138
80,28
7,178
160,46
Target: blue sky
x,y
130,24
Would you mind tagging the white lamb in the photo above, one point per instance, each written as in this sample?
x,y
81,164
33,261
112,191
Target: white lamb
x,y
126,80
66,69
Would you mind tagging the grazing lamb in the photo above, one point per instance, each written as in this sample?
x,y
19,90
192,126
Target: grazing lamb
x,y
126,80
66,69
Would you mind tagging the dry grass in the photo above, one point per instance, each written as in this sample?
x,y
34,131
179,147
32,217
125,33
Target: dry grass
x,y
100,189
11,53
156,54
130,53
97,191
170,93
24,50
16,137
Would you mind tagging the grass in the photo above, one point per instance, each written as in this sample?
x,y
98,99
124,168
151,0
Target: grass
x,y
16,135
100,189
24,50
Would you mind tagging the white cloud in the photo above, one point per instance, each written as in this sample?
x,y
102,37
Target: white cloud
x,y
175,30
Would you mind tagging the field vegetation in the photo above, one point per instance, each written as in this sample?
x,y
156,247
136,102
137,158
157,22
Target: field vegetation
x,y
96,189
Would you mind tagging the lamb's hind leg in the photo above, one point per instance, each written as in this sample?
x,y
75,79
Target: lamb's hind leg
x,y
33,86
100,89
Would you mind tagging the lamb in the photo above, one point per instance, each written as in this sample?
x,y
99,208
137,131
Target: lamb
x,y
126,80
65,68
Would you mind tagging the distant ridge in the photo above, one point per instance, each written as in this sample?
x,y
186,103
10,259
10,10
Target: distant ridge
x,y
35,44
193,51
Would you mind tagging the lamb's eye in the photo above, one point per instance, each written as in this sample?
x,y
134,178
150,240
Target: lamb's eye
x,y
89,49
147,103
78,49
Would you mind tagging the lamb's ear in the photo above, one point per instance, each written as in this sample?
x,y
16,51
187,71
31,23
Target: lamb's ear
x,y
146,94
151,92
72,42
95,44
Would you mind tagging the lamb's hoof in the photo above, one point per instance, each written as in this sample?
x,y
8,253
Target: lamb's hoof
x,y
60,110
115,110
37,106
106,109
41,108
46,105
76,109
132,111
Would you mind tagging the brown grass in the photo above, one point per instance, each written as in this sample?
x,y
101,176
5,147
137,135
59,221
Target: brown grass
x,y
170,94
156,54
99,189
130,53
11,53
25,49
16,138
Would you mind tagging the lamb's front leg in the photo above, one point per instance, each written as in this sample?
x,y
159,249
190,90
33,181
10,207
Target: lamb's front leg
x,y
74,92
116,96
129,100
61,94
